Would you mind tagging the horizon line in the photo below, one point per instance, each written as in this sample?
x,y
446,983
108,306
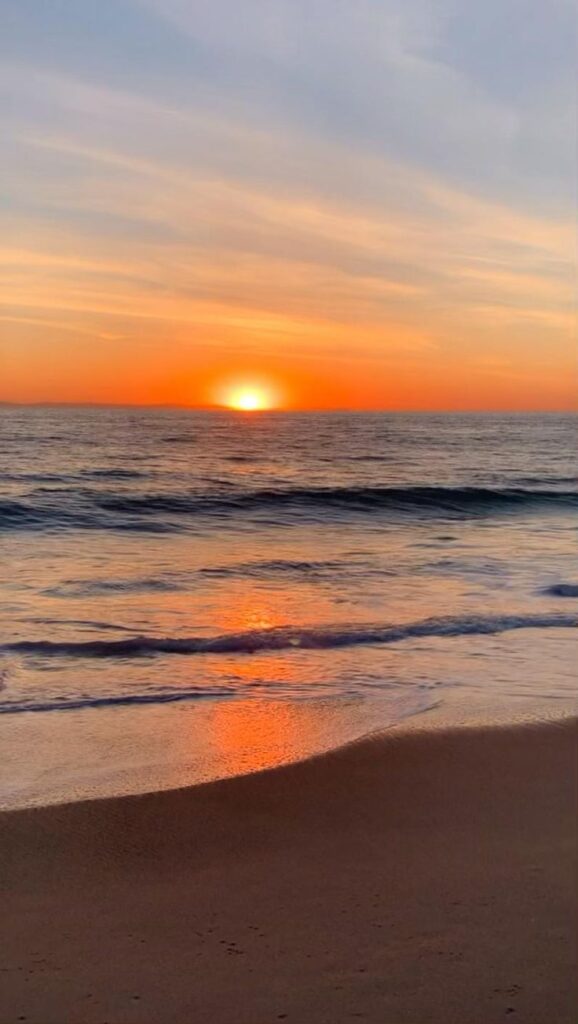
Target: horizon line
x,y
286,411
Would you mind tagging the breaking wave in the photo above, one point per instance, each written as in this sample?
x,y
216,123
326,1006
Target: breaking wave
x,y
79,508
437,499
287,637
114,700
562,590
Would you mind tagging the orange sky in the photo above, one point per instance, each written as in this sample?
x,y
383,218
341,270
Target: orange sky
x,y
401,239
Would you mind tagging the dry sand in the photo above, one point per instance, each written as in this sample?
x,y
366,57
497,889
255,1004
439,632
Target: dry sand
x,y
416,878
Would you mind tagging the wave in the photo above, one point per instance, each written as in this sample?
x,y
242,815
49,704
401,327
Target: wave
x,y
113,473
165,512
532,481
95,587
24,515
33,478
176,582
438,499
114,700
284,567
177,438
290,637
369,458
562,590
42,620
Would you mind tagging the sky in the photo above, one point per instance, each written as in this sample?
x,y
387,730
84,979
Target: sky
x,y
351,203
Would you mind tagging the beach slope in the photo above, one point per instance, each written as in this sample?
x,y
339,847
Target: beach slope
x,y
420,877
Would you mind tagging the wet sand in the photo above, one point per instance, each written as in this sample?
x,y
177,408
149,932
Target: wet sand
x,y
419,877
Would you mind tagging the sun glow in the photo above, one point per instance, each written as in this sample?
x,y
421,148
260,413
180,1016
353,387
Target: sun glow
x,y
249,399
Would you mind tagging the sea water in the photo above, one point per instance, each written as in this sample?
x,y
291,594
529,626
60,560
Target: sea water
x,y
191,594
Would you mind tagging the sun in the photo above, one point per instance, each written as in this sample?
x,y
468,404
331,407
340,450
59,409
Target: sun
x,y
248,399
247,393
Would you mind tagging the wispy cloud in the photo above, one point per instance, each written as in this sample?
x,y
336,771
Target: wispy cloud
x,y
358,179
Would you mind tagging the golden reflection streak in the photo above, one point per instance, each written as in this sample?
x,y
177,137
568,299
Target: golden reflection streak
x,y
255,734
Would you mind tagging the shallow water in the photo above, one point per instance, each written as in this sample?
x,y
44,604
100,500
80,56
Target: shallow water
x,y
349,570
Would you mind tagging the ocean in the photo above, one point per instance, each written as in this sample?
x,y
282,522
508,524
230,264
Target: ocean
x,y
192,594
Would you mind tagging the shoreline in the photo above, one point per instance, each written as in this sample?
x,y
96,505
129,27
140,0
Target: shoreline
x,y
100,757
422,875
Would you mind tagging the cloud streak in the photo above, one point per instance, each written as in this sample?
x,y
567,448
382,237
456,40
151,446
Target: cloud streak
x,y
351,183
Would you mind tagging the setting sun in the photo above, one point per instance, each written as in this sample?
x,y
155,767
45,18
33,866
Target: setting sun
x,y
249,400
246,391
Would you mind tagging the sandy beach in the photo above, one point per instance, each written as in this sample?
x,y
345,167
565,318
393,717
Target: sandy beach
x,y
425,877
